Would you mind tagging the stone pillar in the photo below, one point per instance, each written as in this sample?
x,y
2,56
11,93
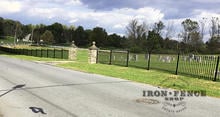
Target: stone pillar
x,y
92,53
72,51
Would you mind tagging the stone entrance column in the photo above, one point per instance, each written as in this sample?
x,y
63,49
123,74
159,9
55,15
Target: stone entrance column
x,y
92,53
72,51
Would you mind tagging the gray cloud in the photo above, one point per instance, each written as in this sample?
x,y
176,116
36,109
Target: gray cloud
x,y
171,8
113,15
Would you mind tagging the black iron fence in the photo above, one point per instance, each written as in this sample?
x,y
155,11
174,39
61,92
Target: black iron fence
x,y
113,57
202,66
49,53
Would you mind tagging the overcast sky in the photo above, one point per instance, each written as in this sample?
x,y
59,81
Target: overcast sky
x,y
113,15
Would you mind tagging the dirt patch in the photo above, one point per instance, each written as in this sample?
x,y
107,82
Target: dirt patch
x,y
147,101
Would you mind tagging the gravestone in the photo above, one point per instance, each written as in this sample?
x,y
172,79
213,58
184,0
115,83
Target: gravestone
x,y
146,56
135,57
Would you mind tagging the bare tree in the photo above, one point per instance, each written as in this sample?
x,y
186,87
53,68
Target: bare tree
x,y
190,27
202,27
169,29
215,27
158,27
136,31
137,35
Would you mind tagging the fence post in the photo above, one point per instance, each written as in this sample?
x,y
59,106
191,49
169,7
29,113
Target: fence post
x,y
177,64
216,70
110,59
36,52
41,52
54,52
47,52
15,51
62,53
148,66
127,58
23,51
97,56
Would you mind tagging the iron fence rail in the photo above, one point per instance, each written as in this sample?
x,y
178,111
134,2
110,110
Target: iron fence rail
x,y
202,66
48,53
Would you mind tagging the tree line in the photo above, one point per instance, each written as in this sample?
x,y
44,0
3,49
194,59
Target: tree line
x,y
57,33
140,37
158,38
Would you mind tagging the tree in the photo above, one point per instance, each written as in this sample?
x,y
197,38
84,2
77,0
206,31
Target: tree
x,y
136,31
26,29
215,27
202,27
169,30
80,36
213,45
9,27
57,30
158,27
38,31
153,41
114,40
191,35
170,44
47,37
68,34
99,35
1,26
189,27
136,34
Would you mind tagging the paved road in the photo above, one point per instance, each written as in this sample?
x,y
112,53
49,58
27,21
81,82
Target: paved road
x,y
66,93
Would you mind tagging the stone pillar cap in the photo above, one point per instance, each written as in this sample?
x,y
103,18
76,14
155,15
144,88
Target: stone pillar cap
x,y
73,44
93,47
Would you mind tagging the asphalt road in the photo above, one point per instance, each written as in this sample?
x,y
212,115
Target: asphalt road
x,y
65,93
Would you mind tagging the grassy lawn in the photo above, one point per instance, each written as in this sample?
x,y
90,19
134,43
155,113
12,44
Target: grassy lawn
x,y
153,77
7,39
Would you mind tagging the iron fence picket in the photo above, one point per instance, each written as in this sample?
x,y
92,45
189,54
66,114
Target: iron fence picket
x,y
103,56
119,57
216,70
138,60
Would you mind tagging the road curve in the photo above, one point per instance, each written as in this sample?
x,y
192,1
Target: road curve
x,y
61,92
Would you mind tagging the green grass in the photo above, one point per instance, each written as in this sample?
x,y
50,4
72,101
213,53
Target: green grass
x,y
153,77
7,39
82,55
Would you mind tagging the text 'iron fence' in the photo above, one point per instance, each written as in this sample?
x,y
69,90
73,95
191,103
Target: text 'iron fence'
x,y
202,66
49,53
